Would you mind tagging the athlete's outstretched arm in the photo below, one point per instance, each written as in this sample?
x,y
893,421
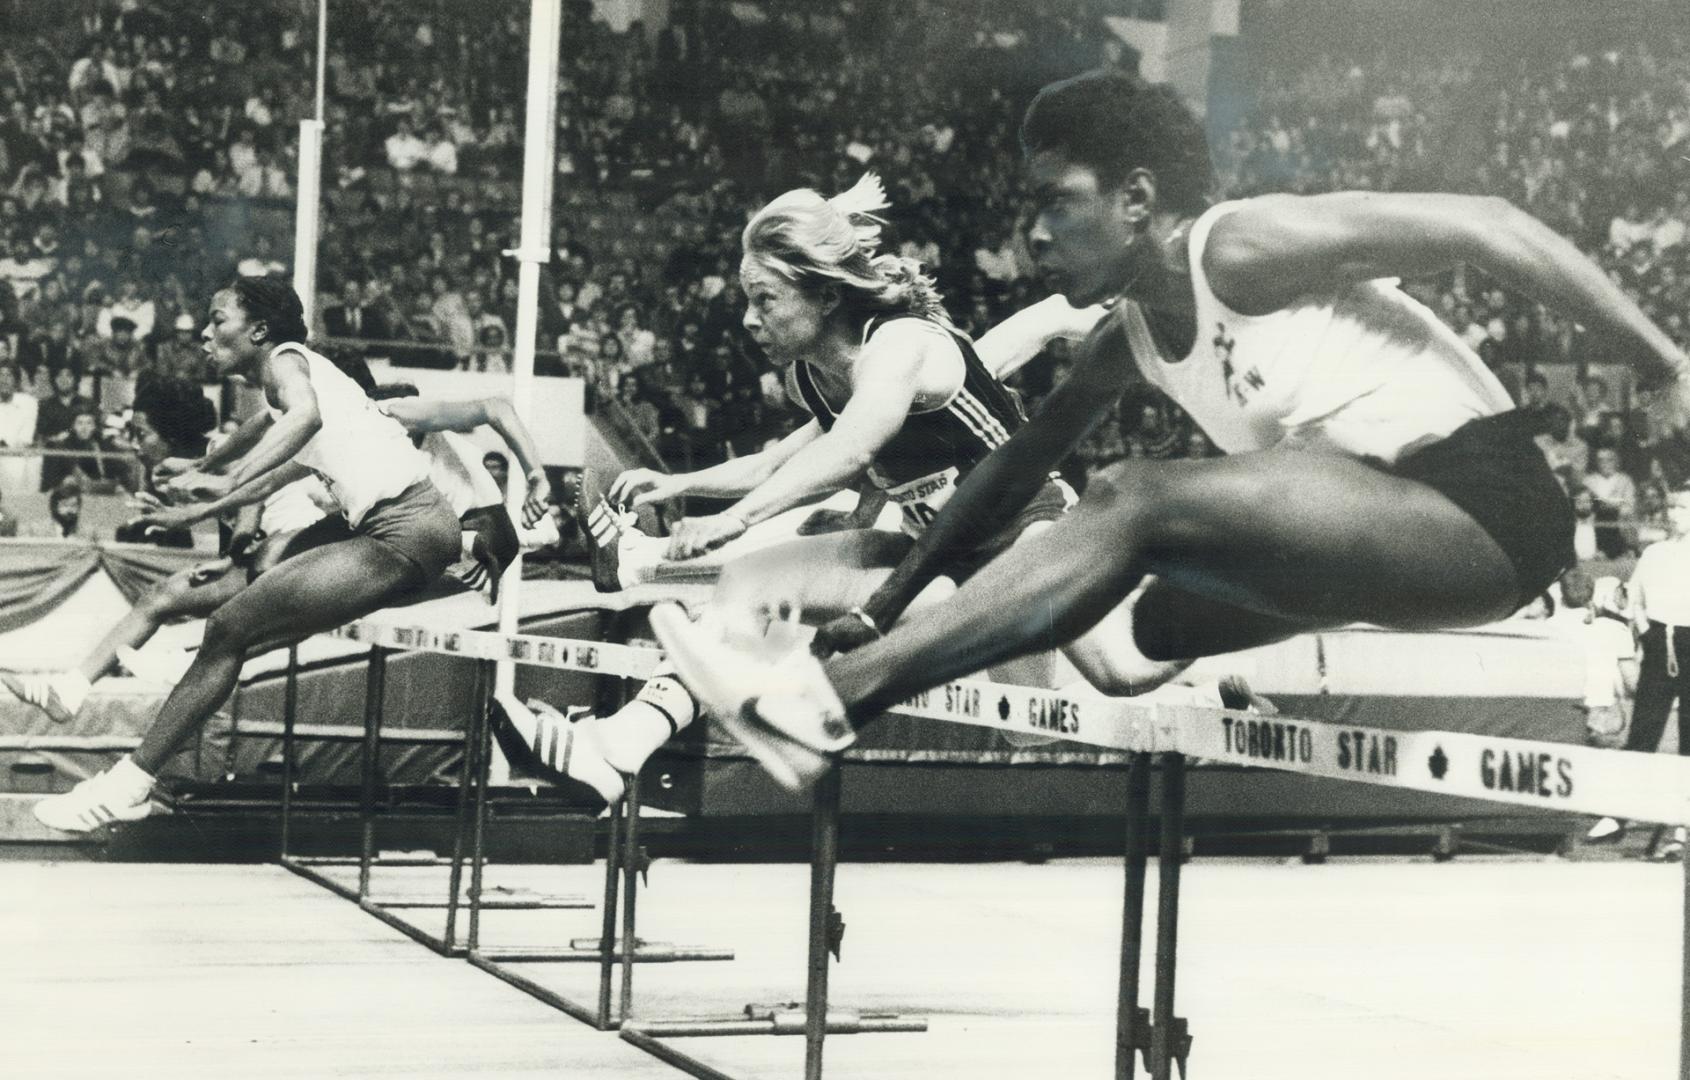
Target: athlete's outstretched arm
x,y
423,415
728,480
1007,347
886,382
240,440
1001,486
253,491
1265,255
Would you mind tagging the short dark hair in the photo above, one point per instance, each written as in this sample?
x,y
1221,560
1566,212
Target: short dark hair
x,y
1112,123
271,300
178,410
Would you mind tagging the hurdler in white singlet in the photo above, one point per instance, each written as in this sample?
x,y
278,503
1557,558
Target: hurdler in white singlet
x,y
1362,369
361,454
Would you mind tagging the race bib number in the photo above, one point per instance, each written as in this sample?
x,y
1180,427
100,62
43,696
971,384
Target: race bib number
x,y
921,500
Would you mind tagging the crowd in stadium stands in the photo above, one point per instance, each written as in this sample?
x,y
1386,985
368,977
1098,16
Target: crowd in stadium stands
x,y
147,153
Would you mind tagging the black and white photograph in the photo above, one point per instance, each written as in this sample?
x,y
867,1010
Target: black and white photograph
x,y
987,539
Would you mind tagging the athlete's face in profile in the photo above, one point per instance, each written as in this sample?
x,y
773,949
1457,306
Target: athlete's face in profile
x,y
1081,235
228,333
1678,513
783,319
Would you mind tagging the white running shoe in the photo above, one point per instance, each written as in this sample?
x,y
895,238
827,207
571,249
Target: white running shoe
x,y
544,742
59,694
121,793
1605,830
164,666
781,709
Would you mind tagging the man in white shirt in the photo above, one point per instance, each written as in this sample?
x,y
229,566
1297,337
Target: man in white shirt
x,y
17,429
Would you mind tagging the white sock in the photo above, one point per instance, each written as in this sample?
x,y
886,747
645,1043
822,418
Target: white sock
x,y
73,689
633,733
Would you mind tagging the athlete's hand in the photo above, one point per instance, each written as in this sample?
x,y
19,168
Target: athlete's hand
x,y
538,502
166,519
841,636
206,572
641,487
173,466
692,536
196,486
828,521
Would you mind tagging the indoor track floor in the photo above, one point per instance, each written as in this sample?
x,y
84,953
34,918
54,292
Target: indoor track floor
x,y
1479,968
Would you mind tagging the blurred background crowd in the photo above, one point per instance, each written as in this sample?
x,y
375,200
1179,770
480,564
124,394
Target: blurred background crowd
x,y
147,153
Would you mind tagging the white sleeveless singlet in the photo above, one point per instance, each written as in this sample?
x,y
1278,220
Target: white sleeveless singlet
x,y
362,455
1365,369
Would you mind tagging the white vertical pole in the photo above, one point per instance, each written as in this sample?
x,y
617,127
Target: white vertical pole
x,y
534,251
307,213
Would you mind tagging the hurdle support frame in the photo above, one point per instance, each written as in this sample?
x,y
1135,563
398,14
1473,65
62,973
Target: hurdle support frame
x,y
471,790
813,1019
617,948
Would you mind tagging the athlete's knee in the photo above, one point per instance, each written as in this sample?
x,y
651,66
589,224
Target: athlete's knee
x,y
225,633
162,599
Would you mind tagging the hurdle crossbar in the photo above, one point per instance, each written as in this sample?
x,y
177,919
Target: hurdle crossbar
x,y
1552,776
614,952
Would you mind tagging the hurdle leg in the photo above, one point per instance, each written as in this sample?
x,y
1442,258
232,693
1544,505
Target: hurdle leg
x,y
290,710
631,863
824,859
1131,1023
1167,1033
472,727
375,687
1684,999
480,721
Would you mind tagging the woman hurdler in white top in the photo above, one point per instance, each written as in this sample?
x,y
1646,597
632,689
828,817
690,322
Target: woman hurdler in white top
x,y
403,534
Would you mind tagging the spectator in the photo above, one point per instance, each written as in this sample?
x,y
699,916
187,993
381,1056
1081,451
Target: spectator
x,y
1597,616
83,437
64,515
405,151
18,412
1660,594
1560,443
55,414
1611,487
180,355
131,305
8,522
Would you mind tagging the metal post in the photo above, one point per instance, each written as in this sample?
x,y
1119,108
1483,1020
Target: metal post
x,y
630,893
824,856
483,736
374,687
1127,1039
482,695
616,831
290,708
1684,999
1162,1036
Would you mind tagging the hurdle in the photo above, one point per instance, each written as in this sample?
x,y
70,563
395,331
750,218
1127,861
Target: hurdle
x,y
625,860
1563,777
472,779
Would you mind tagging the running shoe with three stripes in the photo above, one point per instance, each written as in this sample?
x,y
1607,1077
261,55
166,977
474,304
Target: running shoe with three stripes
x,y
121,793
604,526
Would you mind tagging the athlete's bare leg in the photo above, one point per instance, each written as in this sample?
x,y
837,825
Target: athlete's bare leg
x,y
309,593
1295,539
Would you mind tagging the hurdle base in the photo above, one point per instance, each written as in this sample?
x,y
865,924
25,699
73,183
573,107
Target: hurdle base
x,y
789,1019
492,962
1141,1039
645,952
652,1035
